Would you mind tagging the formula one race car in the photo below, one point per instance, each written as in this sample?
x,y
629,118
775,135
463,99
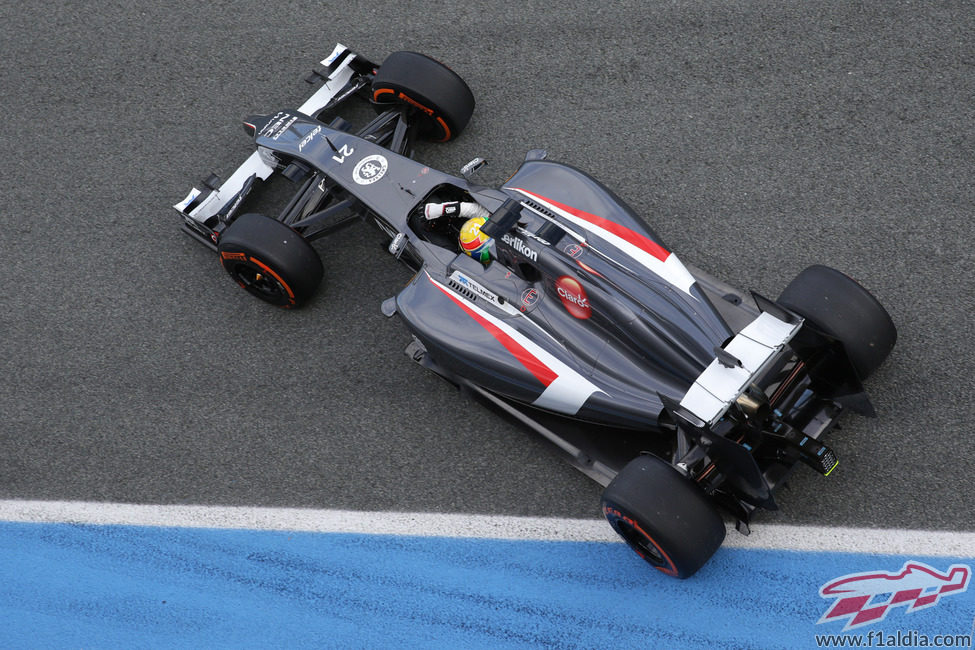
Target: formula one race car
x,y
549,299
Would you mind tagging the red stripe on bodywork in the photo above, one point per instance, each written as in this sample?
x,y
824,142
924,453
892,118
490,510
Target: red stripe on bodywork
x,y
640,241
533,364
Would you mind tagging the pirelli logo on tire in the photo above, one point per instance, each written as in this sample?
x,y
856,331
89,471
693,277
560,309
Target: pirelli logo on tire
x,y
413,102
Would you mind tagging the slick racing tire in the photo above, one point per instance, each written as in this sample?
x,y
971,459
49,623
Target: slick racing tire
x,y
442,100
663,516
839,306
270,260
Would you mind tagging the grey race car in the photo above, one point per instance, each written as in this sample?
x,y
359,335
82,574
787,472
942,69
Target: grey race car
x,y
675,391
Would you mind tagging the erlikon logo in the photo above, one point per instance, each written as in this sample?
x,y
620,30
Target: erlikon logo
x,y
520,246
865,598
573,297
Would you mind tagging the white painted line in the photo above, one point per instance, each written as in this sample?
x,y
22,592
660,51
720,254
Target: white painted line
x,y
310,520
417,524
934,543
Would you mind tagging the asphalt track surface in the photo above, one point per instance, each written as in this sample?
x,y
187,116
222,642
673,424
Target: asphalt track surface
x,y
755,137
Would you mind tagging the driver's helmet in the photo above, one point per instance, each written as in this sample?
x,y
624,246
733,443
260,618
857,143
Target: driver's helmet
x,y
473,241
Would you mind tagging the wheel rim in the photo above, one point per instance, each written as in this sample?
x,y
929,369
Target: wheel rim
x,y
260,283
642,544
638,539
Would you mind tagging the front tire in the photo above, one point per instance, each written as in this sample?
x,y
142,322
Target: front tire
x,y
442,101
838,305
270,260
663,516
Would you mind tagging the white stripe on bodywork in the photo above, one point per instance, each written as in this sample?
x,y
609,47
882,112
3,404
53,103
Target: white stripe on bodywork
x,y
672,270
505,306
572,233
568,392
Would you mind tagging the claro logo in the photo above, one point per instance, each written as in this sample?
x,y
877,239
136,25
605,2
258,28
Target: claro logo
x,y
573,297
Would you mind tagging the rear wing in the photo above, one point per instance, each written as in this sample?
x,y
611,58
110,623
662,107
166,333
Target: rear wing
x,y
745,358
763,348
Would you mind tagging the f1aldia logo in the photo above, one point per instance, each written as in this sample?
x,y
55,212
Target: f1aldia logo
x,y
865,598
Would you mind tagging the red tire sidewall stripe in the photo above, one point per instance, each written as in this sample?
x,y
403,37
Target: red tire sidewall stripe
x,y
671,568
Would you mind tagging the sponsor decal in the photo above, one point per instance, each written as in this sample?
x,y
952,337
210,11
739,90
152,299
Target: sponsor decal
x,y
573,250
467,283
370,169
450,209
336,53
344,151
287,125
232,207
573,297
865,598
413,102
275,123
190,198
565,389
521,246
529,298
532,235
275,128
308,138
512,340
472,166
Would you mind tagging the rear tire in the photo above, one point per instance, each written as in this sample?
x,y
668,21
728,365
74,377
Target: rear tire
x,y
270,260
842,308
443,101
663,516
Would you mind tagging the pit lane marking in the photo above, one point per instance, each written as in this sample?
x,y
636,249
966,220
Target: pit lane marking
x,y
418,524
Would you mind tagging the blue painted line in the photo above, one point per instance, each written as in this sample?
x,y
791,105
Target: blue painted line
x,y
68,585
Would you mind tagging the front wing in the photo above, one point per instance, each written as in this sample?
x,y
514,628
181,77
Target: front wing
x,y
203,208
